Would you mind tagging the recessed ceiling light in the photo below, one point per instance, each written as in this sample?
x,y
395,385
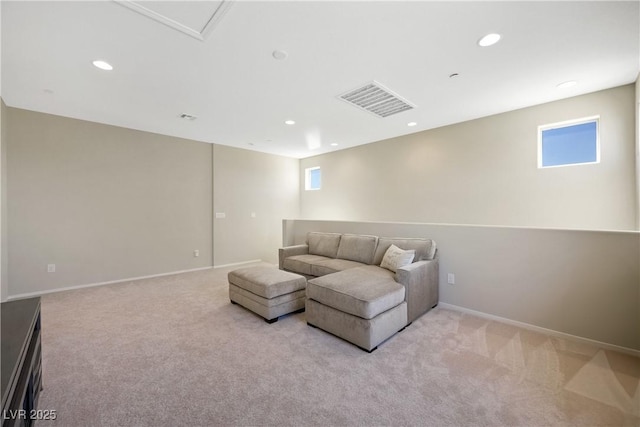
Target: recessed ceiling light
x,y
280,55
334,144
567,84
289,122
411,124
103,65
489,39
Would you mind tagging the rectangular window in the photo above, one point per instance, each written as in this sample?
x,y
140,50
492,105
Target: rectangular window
x,y
575,142
312,178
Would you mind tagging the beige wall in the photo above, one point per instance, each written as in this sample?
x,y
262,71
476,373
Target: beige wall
x,y
105,203
638,171
638,152
582,283
249,182
4,280
102,203
3,179
485,172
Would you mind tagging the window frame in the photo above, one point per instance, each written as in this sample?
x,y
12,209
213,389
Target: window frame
x,y
307,178
564,124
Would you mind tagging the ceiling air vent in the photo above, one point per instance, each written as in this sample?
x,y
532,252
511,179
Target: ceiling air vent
x,y
377,99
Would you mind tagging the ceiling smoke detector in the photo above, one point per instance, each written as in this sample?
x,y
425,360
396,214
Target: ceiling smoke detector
x,y
280,55
377,99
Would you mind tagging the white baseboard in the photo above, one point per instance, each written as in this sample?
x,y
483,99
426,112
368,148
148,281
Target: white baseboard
x,y
91,285
130,279
235,264
545,331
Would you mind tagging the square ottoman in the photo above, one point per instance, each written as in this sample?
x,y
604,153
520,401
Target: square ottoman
x,y
267,291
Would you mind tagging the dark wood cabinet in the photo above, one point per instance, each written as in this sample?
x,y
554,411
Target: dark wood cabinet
x,y
21,361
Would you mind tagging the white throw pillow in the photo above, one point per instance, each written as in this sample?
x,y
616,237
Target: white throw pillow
x,y
395,258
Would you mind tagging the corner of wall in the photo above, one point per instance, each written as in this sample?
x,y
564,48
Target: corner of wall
x,y
637,119
248,214
4,283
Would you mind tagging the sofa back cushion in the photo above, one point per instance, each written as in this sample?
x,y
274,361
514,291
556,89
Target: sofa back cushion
x,y
360,248
325,244
425,248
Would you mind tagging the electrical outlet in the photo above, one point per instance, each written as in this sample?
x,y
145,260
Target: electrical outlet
x,y
451,279
253,214
51,268
196,253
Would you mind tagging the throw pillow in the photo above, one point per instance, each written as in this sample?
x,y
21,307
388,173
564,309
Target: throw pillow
x,y
395,258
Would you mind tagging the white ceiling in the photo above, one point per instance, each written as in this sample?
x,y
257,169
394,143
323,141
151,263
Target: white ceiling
x,y
241,95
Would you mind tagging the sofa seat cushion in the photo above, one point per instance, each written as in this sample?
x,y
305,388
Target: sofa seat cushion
x,y
356,292
374,269
329,266
301,264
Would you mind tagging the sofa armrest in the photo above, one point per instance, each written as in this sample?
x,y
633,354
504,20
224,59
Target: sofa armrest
x,y
291,251
421,282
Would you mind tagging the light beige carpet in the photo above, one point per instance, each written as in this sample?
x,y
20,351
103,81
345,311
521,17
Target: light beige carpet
x,y
173,351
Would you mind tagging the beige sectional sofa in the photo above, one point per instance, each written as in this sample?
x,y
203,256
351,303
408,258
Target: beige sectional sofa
x,y
350,294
